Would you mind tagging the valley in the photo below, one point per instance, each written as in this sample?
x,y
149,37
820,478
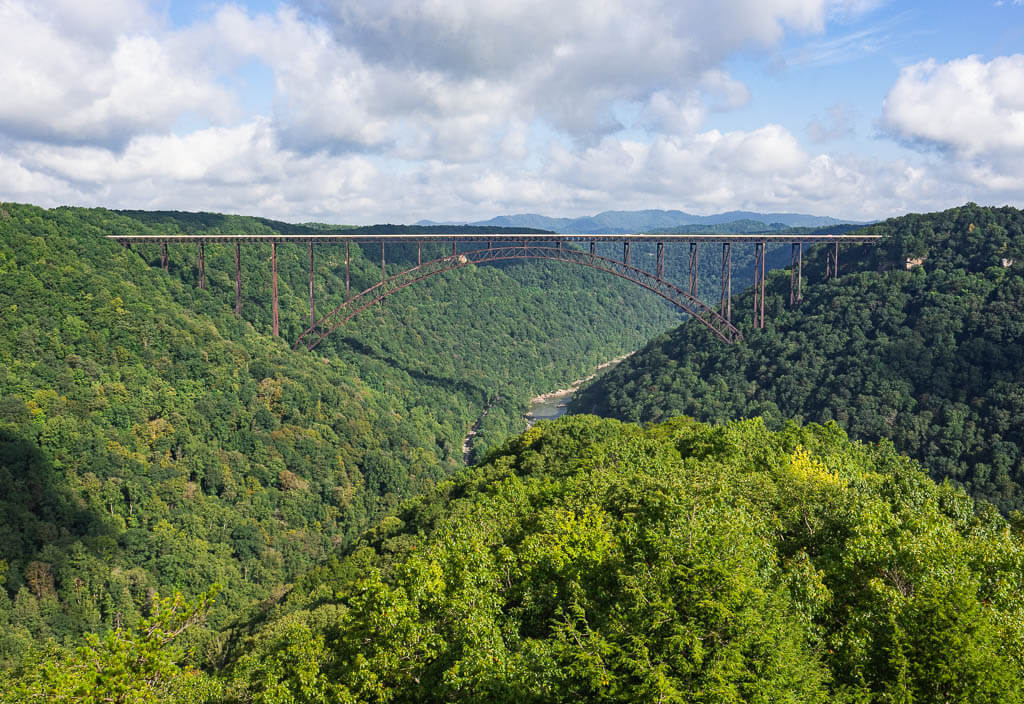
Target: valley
x,y
319,526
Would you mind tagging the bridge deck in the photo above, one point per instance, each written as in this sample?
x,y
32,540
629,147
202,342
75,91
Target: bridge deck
x,y
504,237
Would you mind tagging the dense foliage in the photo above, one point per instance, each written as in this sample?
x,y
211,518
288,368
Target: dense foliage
x,y
151,441
920,340
589,560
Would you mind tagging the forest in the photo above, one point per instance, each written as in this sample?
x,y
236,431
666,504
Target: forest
x,y
592,560
919,341
191,511
150,441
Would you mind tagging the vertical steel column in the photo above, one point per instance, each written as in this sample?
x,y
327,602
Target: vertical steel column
x,y
759,269
796,274
419,253
726,306
273,288
625,252
832,261
348,279
312,307
694,254
660,266
382,274
764,256
238,280
454,248
163,255
593,247
490,245
202,264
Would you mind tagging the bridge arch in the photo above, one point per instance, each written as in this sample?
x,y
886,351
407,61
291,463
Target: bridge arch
x,y
699,310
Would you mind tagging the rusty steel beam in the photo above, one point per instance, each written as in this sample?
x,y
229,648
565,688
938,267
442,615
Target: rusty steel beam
x,y
276,327
312,307
202,264
759,273
832,262
376,293
694,261
725,308
238,280
796,274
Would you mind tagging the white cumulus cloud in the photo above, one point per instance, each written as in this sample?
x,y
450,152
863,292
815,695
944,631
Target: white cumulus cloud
x,y
970,107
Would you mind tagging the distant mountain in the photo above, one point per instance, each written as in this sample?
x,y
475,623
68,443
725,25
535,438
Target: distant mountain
x,y
627,221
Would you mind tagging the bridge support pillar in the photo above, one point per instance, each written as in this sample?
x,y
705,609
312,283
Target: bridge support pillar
x,y
593,247
660,264
796,275
832,262
348,279
419,253
383,274
312,307
625,252
694,254
164,262
275,325
238,280
725,309
759,271
202,264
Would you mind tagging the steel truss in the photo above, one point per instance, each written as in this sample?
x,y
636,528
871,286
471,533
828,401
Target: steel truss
x,y
330,322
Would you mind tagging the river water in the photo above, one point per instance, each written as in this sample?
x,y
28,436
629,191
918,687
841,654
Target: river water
x,y
549,408
555,404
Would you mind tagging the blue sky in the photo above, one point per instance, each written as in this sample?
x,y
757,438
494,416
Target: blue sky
x,y
361,111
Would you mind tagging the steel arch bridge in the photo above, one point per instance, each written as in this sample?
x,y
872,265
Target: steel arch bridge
x,y
330,322
509,245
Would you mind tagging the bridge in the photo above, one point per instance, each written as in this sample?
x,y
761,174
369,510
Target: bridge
x,y
506,245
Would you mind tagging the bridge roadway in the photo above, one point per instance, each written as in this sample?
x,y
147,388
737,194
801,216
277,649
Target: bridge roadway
x,y
523,245
340,238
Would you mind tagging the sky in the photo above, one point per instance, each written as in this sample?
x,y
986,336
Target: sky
x,y
369,111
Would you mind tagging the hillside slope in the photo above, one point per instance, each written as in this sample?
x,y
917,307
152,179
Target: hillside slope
x,y
150,440
929,357
589,560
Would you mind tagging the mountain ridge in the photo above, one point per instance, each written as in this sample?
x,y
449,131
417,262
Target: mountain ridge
x,y
628,221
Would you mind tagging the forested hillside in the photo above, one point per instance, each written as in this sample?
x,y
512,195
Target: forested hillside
x,y
150,441
589,560
920,340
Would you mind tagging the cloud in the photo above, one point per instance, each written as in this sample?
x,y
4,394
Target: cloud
x,y
567,63
69,77
397,110
970,109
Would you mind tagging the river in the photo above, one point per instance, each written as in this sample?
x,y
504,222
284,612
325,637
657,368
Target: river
x,y
544,407
552,405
